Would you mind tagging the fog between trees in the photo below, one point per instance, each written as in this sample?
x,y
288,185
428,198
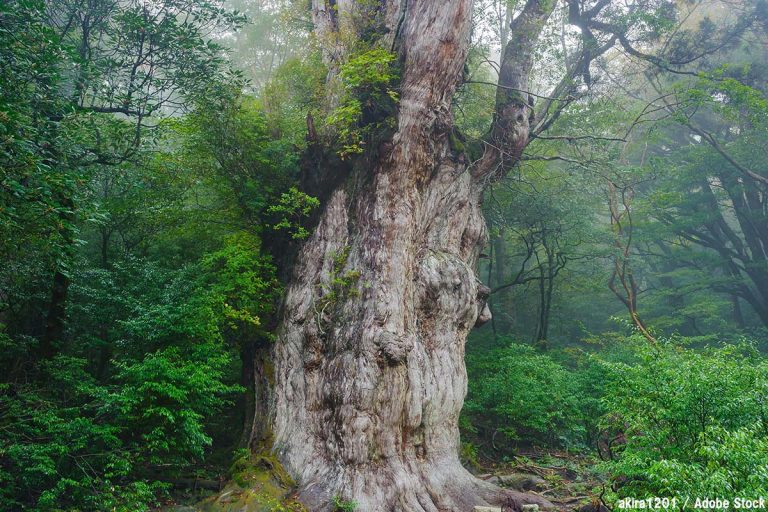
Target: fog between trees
x,y
287,255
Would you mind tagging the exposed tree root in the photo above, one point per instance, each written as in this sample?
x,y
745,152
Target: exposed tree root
x,y
439,488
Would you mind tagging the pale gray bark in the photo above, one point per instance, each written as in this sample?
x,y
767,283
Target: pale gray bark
x,y
370,376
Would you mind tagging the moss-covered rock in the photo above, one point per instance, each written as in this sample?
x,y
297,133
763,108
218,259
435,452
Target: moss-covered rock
x,y
259,484
236,499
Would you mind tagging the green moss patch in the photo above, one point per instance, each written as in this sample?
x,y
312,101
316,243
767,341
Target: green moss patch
x,y
259,484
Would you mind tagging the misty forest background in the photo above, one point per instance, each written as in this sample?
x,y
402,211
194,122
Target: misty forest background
x,y
151,199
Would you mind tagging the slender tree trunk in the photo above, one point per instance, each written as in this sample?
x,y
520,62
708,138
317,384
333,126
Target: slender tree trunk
x,y
57,306
369,361
501,300
546,290
542,303
738,317
106,234
54,322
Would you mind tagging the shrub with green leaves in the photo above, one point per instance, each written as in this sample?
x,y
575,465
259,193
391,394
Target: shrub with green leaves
x,y
525,395
151,362
694,421
62,447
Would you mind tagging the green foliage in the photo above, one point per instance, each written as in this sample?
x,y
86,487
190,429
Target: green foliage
x,y
38,140
680,421
468,454
96,437
61,450
60,88
694,422
155,223
345,119
228,142
475,102
526,395
297,89
368,79
294,207
165,398
241,284
342,505
369,74
341,282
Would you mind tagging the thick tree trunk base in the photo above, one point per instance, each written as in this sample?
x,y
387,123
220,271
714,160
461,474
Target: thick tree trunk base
x,y
424,488
370,374
413,486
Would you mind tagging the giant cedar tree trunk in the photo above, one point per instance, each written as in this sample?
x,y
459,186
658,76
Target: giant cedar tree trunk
x,y
369,375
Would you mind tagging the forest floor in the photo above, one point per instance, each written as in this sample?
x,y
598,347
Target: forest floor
x,y
568,480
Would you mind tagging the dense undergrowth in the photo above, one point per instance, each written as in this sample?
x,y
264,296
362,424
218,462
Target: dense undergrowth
x,y
109,424
673,420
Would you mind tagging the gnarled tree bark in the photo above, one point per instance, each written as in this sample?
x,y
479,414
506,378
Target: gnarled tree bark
x,y
369,374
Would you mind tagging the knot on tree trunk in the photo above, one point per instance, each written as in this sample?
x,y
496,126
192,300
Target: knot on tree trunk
x,y
512,130
483,292
394,348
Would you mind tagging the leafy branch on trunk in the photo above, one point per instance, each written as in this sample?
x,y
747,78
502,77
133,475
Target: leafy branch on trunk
x,y
368,101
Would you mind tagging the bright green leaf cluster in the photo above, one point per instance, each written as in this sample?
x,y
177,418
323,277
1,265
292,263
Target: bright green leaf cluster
x,y
369,97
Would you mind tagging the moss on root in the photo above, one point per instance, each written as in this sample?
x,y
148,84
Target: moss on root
x,y
259,484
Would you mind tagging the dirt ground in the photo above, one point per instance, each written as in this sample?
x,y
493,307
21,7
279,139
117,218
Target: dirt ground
x,y
570,481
